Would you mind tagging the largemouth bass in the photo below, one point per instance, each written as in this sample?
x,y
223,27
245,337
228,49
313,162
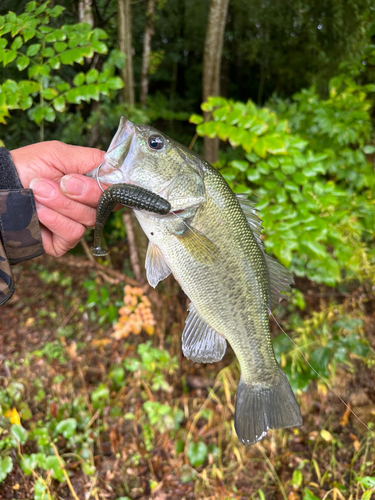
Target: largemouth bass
x,y
211,243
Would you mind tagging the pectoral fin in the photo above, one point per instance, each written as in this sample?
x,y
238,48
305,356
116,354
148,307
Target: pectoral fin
x,y
201,248
200,342
156,267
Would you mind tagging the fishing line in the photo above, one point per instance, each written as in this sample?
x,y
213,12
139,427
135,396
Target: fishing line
x,y
201,240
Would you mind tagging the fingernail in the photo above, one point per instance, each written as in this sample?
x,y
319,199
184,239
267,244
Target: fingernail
x,y
73,185
42,188
39,206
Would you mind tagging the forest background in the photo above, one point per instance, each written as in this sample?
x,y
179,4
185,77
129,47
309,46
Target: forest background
x,y
96,398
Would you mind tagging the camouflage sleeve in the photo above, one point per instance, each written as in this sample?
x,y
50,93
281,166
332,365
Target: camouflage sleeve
x,y
20,237
6,277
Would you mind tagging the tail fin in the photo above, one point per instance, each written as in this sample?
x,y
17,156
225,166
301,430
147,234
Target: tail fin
x,y
262,407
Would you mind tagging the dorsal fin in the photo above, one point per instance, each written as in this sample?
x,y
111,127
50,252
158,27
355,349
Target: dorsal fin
x,y
200,342
280,277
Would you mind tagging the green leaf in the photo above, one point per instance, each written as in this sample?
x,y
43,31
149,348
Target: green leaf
x,y
197,453
22,62
54,62
100,395
49,93
17,43
56,11
28,35
28,87
275,145
60,46
9,56
260,148
41,491
114,83
297,479
25,103
79,79
240,165
10,87
309,495
67,427
31,6
197,119
92,75
6,466
52,463
49,114
48,52
33,49
99,47
3,43
59,104
19,433
368,150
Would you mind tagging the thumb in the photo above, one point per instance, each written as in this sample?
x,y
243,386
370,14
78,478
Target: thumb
x,y
80,188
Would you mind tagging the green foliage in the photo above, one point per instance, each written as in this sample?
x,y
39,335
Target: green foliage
x,y
328,338
6,466
32,43
99,303
197,453
305,164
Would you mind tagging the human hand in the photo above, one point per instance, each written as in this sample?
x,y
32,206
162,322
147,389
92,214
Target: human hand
x,y
64,198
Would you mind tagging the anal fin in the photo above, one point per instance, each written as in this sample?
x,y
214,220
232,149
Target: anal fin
x,y
200,342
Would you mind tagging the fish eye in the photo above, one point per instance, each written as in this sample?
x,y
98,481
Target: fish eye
x,y
156,142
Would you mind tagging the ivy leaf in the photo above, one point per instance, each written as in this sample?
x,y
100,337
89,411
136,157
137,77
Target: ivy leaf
x,y
6,466
197,453
22,62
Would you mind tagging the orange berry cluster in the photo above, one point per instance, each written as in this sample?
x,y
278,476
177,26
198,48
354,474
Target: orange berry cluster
x,y
135,316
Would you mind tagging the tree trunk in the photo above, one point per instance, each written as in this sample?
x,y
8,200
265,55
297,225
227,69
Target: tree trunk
x,y
125,45
212,64
149,31
85,12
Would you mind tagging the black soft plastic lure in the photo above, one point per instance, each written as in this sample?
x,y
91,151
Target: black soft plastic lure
x,y
131,196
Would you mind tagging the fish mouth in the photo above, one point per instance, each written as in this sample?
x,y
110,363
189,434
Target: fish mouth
x,y
110,171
